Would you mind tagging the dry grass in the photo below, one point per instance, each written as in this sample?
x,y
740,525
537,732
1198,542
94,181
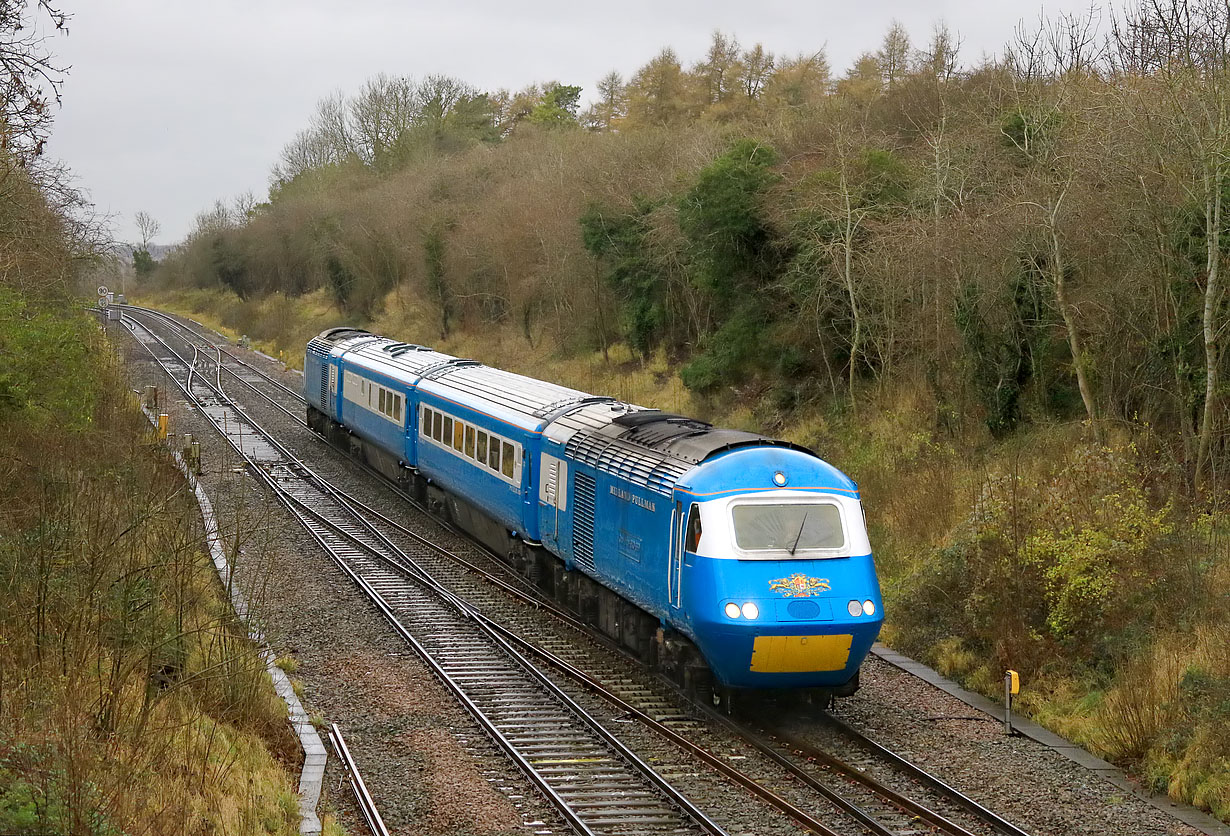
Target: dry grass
x,y
130,700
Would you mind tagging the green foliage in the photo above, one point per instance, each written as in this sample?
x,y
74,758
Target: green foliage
x,y
1029,133
1014,345
1097,569
143,263
729,354
558,108
724,219
38,798
1052,564
53,381
229,265
1001,362
620,241
733,253
341,280
449,125
884,181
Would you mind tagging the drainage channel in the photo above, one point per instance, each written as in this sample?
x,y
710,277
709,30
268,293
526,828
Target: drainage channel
x,y
597,783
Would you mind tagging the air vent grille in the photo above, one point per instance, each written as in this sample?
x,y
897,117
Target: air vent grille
x,y
583,522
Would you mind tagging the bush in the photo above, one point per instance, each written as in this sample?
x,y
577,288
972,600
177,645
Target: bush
x,y
1054,562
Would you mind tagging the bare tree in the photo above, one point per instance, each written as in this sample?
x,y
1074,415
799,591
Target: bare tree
x,y
1049,66
894,54
29,79
798,82
757,67
940,58
719,71
612,103
1173,59
148,227
245,206
383,111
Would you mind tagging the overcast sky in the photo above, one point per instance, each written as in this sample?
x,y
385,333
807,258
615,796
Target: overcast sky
x,y
170,104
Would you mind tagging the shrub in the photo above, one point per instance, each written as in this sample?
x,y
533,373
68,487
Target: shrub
x,y
1067,557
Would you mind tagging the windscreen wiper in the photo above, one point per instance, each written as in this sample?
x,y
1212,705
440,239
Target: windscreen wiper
x,y
799,536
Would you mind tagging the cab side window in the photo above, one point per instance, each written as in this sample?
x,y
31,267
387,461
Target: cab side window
x,y
692,540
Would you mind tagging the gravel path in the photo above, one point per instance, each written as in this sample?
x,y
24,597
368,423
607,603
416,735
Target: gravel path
x,y
432,771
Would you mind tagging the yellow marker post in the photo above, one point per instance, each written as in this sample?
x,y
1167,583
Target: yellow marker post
x,y
164,424
1012,687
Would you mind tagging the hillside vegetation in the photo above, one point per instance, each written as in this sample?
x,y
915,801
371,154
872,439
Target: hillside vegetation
x,y
993,293
131,700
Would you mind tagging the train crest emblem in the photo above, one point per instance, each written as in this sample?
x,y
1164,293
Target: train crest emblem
x,y
799,585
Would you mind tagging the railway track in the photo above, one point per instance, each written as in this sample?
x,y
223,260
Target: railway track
x,y
869,790
597,784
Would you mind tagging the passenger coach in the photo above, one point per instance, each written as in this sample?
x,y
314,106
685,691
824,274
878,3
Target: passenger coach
x,y
710,552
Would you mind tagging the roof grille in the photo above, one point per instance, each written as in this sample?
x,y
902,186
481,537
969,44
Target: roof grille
x,y
551,410
656,471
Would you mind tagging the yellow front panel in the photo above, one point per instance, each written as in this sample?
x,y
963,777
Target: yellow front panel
x,y
800,654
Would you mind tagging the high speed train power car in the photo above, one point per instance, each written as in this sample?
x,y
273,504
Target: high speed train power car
x,y
725,557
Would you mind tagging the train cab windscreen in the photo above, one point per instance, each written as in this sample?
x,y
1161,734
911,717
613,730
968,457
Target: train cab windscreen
x,y
791,527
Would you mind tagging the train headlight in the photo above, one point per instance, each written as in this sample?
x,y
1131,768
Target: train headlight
x,y
751,611
854,608
869,607
732,610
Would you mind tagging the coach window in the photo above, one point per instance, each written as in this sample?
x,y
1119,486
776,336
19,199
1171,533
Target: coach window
x,y
507,462
493,455
396,407
382,409
425,426
482,447
469,441
437,425
448,430
458,435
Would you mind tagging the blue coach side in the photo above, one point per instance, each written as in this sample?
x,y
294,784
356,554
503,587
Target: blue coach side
x,y
478,451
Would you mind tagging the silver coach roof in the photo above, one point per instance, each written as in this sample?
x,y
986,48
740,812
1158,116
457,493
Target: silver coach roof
x,y
646,446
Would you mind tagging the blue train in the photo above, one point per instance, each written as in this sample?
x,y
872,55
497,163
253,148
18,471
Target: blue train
x,y
729,559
